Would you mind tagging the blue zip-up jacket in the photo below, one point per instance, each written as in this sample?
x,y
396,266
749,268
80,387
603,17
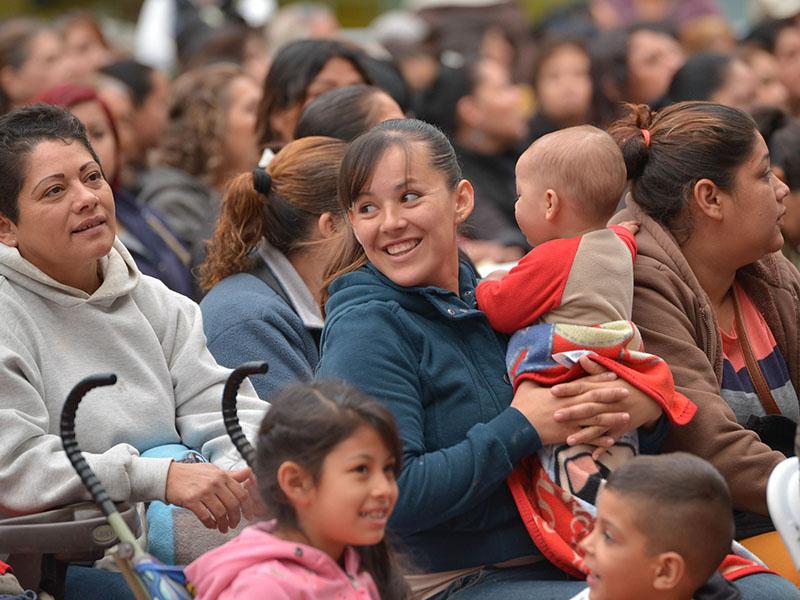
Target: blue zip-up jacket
x,y
431,357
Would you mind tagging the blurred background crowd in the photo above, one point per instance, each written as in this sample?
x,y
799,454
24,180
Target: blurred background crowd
x,y
180,96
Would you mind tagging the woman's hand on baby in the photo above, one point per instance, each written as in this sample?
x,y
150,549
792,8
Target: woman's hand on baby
x,y
593,417
539,405
218,498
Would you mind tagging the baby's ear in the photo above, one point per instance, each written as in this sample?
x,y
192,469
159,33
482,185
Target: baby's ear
x,y
670,571
296,483
552,205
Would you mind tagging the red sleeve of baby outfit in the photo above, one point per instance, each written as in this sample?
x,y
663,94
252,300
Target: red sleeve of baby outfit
x,y
626,236
530,289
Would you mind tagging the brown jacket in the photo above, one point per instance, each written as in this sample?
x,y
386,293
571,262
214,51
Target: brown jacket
x,y
677,323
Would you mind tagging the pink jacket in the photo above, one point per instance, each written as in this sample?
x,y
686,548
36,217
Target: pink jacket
x,y
256,565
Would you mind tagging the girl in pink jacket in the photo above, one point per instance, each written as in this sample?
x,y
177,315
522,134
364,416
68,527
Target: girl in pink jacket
x,y
327,458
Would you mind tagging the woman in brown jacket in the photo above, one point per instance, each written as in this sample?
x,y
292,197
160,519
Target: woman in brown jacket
x,y
713,295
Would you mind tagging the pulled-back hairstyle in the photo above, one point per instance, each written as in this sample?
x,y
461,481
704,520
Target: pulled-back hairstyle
x,y
343,113
359,165
305,422
21,131
680,503
294,68
689,141
194,136
303,187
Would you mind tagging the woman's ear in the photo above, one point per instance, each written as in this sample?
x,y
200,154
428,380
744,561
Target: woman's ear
x,y
465,200
669,571
327,225
295,482
8,232
707,198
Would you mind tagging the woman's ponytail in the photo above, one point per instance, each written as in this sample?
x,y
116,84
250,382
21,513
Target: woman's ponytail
x,y
240,227
634,137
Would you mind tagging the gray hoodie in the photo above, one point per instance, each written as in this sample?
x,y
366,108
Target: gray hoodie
x,y
168,391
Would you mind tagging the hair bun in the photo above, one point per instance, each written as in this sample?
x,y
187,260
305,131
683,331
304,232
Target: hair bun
x,y
262,181
634,137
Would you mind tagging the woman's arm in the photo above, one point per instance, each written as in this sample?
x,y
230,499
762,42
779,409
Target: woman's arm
x,y
34,470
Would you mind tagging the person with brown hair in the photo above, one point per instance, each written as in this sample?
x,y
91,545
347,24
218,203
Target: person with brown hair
x,y
713,295
209,137
276,232
302,71
30,61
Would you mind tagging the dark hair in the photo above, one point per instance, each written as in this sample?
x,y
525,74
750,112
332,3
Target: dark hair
x,y
21,131
689,141
680,503
766,33
700,76
303,187
359,164
781,132
305,422
16,35
294,68
136,77
343,113
386,75
437,103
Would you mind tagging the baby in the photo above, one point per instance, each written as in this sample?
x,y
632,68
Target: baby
x,y
664,525
570,296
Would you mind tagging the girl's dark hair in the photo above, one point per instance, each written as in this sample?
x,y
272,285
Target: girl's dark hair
x,y
781,132
305,422
359,165
689,141
700,76
294,68
21,131
303,187
343,113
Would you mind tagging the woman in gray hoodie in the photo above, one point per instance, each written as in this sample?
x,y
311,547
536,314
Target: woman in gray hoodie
x,y
72,303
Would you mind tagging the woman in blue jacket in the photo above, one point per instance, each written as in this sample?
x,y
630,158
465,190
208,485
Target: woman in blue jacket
x,y
266,260
402,324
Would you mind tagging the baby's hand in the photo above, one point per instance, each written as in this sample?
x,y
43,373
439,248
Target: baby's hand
x,y
632,226
496,275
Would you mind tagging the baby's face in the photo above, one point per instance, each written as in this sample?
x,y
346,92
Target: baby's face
x,y
617,556
531,203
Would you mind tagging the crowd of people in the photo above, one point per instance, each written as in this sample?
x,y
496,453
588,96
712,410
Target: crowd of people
x,y
490,267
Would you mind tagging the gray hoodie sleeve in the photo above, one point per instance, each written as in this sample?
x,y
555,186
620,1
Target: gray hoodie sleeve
x,y
35,473
198,382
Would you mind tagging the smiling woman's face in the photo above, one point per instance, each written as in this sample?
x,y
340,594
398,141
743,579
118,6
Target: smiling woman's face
x,y
66,216
406,217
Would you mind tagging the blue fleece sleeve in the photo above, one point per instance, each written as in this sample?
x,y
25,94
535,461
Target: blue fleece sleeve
x,y
437,485
650,442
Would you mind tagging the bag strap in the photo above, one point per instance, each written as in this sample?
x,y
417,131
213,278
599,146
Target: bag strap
x,y
753,368
261,271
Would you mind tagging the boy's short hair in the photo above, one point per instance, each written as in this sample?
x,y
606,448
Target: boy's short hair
x,y
582,163
680,503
